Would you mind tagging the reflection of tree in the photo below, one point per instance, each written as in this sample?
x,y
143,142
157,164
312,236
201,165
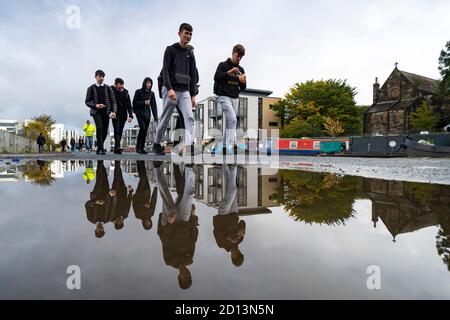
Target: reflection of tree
x,y
39,173
442,203
318,197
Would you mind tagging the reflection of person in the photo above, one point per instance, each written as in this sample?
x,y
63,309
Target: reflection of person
x,y
229,233
121,198
144,201
177,224
98,207
89,173
228,230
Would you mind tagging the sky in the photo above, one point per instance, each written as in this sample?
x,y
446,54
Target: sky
x,y
49,50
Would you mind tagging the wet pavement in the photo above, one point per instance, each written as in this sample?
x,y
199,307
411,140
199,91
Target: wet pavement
x,y
158,230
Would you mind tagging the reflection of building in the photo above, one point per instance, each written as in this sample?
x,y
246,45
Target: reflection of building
x,y
10,174
397,209
254,192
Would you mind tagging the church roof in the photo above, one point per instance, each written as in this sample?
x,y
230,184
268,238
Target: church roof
x,y
421,82
391,105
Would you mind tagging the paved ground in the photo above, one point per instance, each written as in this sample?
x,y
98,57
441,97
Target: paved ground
x,y
427,170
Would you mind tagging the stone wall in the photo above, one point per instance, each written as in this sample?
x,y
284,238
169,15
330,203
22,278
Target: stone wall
x,y
11,143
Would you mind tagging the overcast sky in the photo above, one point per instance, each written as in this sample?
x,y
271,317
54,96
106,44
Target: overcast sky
x,y
46,64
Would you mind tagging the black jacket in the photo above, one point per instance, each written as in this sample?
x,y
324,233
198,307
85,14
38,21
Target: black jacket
x,y
40,140
92,100
179,70
140,96
226,85
123,105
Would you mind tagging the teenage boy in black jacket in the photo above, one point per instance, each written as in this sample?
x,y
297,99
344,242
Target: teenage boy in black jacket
x,y
179,86
229,81
124,112
100,98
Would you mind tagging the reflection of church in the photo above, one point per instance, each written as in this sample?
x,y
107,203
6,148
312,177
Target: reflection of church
x,y
397,208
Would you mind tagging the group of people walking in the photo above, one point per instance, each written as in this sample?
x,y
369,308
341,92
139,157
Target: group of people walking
x,y
178,88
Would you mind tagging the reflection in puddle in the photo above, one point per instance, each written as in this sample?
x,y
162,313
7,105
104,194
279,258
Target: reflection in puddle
x,y
218,212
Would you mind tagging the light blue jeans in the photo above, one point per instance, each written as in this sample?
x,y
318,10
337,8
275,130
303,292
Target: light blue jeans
x,y
184,104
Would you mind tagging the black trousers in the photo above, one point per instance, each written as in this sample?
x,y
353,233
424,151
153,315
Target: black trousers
x,y
41,148
101,120
143,123
118,124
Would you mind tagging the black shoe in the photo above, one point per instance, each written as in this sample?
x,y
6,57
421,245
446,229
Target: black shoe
x,y
103,152
117,151
97,151
143,151
158,150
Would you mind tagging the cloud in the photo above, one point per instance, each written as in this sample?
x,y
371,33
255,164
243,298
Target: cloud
x,y
47,67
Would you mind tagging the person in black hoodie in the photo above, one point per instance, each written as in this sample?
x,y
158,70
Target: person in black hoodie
x,y
143,100
124,112
229,81
100,99
179,86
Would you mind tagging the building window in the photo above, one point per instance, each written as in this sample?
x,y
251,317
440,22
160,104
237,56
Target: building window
x,y
199,116
272,180
242,187
273,124
242,114
215,118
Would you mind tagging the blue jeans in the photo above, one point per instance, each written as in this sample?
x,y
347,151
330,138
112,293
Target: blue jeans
x,y
89,143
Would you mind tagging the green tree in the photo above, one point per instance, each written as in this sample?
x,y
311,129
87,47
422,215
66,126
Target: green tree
x,y
42,123
39,173
333,127
312,101
322,198
424,117
444,69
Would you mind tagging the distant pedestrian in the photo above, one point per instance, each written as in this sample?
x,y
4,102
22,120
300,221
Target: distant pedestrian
x,y
89,130
80,144
40,141
63,144
72,144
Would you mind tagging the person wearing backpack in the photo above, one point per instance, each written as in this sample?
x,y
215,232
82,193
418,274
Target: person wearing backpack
x,y
179,87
